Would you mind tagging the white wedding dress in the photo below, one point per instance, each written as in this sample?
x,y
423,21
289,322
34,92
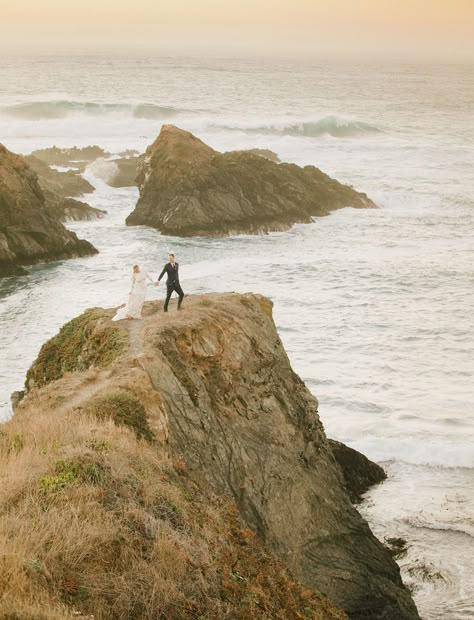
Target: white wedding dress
x,y
136,297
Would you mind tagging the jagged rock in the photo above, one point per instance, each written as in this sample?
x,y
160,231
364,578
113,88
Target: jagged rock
x,y
359,473
66,156
129,153
28,232
187,188
267,153
70,209
218,392
67,184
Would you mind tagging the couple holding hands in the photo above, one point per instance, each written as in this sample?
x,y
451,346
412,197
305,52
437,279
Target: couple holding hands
x,y
136,297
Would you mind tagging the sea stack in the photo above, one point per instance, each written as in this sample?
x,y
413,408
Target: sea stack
x,y
210,393
187,189
29,232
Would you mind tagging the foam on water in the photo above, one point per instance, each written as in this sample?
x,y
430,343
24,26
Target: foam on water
x,y
373,306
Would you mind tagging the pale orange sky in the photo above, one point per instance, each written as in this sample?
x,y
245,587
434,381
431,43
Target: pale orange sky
x,y
440,28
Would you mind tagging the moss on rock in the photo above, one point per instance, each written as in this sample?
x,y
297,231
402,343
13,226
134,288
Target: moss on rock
x,y
83,342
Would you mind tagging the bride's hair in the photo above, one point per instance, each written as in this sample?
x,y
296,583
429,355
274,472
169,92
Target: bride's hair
x,y
136,267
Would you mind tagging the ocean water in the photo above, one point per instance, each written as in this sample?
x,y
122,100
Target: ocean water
x,y
375,307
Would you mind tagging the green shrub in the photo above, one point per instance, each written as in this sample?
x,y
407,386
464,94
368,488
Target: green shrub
x,y
80,344
69,472
124,409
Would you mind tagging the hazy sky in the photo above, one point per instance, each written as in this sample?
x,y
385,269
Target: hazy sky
x,y
438,28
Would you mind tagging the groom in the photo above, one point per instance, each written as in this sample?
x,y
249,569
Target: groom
x,y
172,283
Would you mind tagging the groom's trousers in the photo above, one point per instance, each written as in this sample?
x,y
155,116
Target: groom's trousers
x,y
176,286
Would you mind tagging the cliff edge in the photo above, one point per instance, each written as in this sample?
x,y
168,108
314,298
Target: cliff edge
x,y
212,388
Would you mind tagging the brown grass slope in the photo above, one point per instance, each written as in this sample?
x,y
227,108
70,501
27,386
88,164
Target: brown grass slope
x,y
97,520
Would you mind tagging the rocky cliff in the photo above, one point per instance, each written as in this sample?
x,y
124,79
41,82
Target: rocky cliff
x,y
187,188
213,388
29,233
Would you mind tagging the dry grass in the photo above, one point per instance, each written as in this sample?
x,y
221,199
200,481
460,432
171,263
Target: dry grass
x,y
95,522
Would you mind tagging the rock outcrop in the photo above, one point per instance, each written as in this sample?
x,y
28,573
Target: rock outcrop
x,y
359,473
28,232
59,189
79,157
118,172
213,386
67,184
187,188
267,153
70,209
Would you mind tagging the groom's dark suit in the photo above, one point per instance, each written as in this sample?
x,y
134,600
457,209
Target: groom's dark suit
x,y
172,283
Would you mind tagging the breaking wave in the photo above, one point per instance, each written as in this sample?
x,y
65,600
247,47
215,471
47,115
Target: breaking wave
x,y
328,125
44,110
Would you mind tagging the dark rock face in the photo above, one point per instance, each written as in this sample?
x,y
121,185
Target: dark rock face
x,y
187,188
28,232
359,473
248,427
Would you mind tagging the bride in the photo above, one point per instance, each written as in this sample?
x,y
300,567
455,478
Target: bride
x,y
136,298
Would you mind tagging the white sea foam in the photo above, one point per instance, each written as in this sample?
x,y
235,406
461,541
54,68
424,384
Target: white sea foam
x,y
420,451
103,169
